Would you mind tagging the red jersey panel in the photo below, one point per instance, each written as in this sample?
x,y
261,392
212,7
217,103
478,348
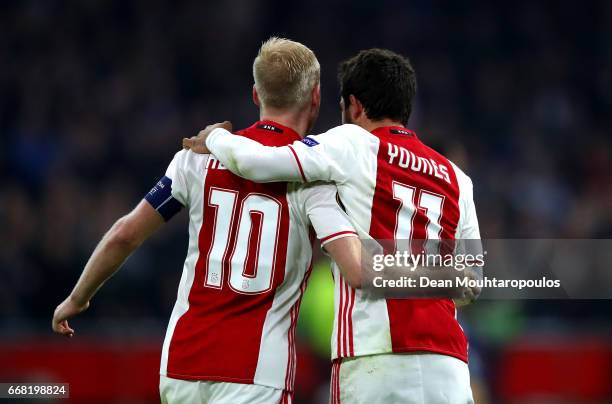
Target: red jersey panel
x,y
225,317
417,198
246,269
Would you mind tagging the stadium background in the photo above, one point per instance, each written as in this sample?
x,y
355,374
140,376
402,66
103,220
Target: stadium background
x,y
95,97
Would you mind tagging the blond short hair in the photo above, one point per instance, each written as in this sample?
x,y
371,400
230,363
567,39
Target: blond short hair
x,y
285,73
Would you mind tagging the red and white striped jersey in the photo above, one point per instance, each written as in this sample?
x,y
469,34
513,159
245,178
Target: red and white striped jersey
x,y
393,187
246,268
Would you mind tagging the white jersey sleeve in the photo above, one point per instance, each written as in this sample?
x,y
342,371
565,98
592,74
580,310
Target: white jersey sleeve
x,y
324,213
320,157
170,194
469,224
252,160
176,174
467,228
330,156
468,232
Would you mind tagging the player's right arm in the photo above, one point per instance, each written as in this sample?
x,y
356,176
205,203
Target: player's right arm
x,y
469,235
323,157
334,229
346,253
123,238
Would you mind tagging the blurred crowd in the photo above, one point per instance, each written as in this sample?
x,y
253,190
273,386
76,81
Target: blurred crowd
x,y
95,97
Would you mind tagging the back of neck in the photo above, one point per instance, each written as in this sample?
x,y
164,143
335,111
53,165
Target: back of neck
x,y
289,119
370,125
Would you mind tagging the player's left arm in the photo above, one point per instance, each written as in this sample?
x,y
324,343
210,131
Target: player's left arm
x,y
334,229
125,236
165,200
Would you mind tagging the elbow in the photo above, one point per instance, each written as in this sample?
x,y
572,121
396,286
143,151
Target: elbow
x,y
123,235
242,168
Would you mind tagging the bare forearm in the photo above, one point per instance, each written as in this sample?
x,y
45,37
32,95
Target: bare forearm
x,y
103,263
346,253
106,259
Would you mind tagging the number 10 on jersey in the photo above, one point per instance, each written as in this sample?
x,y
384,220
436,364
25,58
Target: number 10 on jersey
x,y
255,240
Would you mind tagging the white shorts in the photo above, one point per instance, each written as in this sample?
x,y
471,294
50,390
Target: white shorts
x,y
420,378
177,391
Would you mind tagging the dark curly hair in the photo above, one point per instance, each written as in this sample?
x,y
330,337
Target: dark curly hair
x,y
383,81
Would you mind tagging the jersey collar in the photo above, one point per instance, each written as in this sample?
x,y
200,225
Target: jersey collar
x,y
274,127
394,130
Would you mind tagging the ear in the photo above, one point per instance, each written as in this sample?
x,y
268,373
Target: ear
x,y
316,96
255,96
355,108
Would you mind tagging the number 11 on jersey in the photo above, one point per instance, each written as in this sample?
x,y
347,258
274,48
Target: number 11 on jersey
x,y
431,203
